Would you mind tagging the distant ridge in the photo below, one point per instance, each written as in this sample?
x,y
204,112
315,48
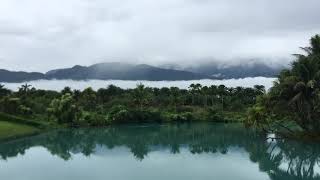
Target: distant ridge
x,y
231,71
19,76
124,71
104,71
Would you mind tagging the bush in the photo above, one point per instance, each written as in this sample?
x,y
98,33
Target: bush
x,y
179,117
181,109
122,114
146,116
64,109
214,116
92,119
119,114
10,105
24,110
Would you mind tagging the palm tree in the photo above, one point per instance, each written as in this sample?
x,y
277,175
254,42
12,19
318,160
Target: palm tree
x,y
260,89
174,96
205,91
299,87
25,87
4,91
222,93
213,93
195,91
307,72
141,96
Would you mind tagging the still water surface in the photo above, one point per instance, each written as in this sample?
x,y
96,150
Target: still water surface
x,y
135,152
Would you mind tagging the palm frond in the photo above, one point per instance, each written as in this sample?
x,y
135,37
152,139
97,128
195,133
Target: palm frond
x,y
308,50
299,55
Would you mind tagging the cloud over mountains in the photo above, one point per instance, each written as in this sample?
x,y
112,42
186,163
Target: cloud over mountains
x,y
40,35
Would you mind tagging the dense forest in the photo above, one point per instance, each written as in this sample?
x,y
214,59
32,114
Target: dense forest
x,y
142,104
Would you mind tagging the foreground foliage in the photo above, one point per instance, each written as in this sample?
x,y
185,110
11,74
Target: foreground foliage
x,y
295,96
9,130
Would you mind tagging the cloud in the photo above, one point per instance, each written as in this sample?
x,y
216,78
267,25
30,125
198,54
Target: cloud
x,y
40,35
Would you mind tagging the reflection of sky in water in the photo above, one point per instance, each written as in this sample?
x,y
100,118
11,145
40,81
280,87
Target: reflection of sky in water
x,y
120,164
96,84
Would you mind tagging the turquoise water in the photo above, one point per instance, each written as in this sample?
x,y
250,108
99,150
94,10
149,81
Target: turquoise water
x,y
181,151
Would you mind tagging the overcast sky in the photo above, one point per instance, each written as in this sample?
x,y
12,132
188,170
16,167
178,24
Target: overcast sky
x,y
38,35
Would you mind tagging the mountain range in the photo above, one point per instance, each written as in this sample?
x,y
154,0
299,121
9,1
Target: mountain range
x,y
123,71
237,71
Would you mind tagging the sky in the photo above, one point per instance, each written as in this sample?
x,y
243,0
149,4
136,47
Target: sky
x,y
39,35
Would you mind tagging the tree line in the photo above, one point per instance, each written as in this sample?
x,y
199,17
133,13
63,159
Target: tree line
x,y
141,104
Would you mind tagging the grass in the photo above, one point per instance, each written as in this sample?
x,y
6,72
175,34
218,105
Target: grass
x,y
29,121
9,130
12,127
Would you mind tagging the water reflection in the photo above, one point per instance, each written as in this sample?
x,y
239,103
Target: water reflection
x,y
281,160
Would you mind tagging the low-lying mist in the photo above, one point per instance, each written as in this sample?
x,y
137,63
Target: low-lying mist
x,y
96,84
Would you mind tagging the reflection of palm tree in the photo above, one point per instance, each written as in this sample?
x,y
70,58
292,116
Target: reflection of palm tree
x,y
175,149
139,149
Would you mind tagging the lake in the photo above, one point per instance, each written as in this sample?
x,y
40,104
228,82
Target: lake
x,y
198,151
96,84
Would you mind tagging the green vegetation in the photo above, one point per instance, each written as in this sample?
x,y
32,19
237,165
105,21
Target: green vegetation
x,y
115,105
10,130
12,127
295,97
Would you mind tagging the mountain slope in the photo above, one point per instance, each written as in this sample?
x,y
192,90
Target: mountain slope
x,y
13,76
231,71
121,71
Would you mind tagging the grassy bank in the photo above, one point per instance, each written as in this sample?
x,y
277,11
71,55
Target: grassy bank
x,y
9,130
23,121
12,127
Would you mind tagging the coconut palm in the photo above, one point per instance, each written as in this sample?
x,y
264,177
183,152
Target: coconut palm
x,y
300,87
205,92
141,95
175,96
213,93
3,91
195,90
25,88
222,94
